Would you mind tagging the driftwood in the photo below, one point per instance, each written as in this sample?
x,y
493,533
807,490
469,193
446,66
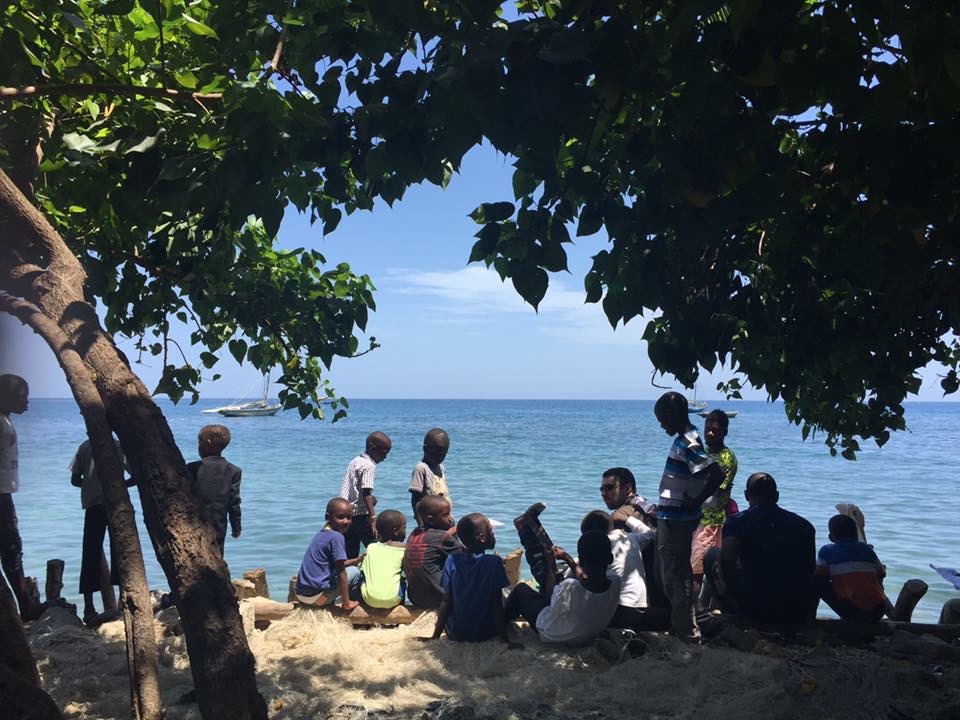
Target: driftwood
x,y
54,584
845,628
910,594
244,589
363,615
259,579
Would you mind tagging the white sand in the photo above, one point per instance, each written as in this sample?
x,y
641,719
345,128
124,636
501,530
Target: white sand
x,y
310,664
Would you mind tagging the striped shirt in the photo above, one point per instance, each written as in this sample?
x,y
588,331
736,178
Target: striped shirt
x,y
360,475
686,458
855,572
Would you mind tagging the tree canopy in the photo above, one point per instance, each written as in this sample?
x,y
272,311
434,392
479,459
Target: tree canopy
x,y
777,178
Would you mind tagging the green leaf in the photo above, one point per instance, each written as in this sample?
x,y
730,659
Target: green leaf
x,y
238,348
208,359
531,283
198,28
186,78
492,212
590,221
144,145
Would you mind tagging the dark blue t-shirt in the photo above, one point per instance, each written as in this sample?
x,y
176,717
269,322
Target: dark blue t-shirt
x,y
777,559
473,582
319,566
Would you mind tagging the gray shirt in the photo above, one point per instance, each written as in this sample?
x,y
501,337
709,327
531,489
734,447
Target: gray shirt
x,y
91,490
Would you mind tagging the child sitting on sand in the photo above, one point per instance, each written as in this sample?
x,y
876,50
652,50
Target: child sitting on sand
x,y
323,573
217,482
849,574
473,582
429,476
627,548
576,609
427,550
380,583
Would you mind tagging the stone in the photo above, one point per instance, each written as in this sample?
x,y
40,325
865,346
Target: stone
x,y
248,615
244,589
53,618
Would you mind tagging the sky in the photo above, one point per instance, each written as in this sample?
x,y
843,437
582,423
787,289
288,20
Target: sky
x,y
447,329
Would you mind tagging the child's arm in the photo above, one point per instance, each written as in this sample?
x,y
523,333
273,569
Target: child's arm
x,y
443,614
346,603
234,511
416,497
563,556
354,562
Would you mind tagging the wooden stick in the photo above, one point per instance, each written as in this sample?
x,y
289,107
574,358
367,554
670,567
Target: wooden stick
x,y
54,584
259,579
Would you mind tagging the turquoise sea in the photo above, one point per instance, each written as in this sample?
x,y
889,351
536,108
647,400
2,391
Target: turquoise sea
x,y
505,455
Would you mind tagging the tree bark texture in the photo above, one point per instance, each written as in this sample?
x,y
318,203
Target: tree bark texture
x,y
136,604
220,659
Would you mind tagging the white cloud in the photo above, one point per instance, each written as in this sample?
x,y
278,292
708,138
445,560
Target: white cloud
x,y
479,293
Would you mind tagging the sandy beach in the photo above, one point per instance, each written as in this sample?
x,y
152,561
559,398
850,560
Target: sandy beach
x,y
312,665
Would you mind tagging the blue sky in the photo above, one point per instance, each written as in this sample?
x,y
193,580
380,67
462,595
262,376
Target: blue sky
x,y
447,330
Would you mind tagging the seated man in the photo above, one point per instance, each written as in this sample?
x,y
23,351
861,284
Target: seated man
x,y
763,571
850,575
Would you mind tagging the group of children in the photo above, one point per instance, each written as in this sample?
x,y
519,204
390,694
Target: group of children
x,y
446,567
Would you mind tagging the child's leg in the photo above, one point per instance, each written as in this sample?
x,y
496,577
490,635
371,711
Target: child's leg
x,y
536,543
356,582
525,602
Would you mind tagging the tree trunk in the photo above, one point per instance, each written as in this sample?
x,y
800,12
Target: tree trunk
x,y
136,605
15,654
220,659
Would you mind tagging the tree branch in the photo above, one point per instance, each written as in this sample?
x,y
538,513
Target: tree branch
x,y
87,89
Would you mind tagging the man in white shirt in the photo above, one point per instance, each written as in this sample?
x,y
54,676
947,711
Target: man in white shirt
x,y
13,401
357,489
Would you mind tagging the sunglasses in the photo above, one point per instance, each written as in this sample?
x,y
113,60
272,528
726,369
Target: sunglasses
x,y
610,487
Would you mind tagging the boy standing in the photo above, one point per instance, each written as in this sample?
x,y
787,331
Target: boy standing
x,y
381,572
577,609
427,550
14,393
323,572
95,573
473,582
689,477
849,574
357,489
429,476
709,534
217,482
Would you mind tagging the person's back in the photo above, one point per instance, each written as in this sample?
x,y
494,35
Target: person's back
x,y
849,574
777,563
217,485
426,553
381,583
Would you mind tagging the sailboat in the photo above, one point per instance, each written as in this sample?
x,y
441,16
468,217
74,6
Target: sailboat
x,y
252,409
696,405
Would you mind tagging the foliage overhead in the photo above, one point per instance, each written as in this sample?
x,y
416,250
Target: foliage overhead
x,y
778,179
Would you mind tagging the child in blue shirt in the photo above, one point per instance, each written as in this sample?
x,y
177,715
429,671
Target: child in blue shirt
x,y
473,582
323,572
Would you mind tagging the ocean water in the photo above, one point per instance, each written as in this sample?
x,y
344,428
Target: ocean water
x,y
505,455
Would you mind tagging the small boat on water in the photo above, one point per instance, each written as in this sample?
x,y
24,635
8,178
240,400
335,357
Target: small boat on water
x,y
250,409
256,408
729,413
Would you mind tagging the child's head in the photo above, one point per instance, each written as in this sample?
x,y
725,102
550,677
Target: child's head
x,y
673,412
212,440
842,527
715,427
595,555
434,512
378,445
391,525
436,443
339,515
596,521
476,532
14,392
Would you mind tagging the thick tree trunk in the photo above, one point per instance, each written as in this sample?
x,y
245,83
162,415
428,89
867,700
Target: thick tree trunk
x,y
15,654
135,603
220,659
